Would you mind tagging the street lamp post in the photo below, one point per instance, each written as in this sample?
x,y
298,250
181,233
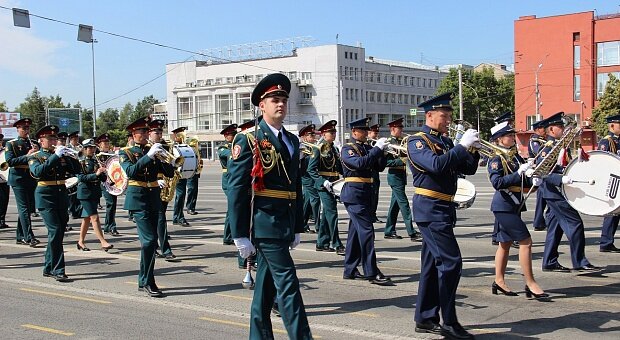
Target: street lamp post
x,y
477,108
92,49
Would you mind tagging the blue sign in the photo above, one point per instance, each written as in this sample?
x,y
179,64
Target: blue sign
x,y
64,122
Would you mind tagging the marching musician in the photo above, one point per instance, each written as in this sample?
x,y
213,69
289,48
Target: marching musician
x,y
178,217
90,177
506,173
507,117
266,199
359,161
373,135
156,129
223,153
4,193
533,148
561,217
436,165
62,138
610,144
397,179
130,143
143,197
50,166
105,152
324,167
17,152
192,183
74,204
312,202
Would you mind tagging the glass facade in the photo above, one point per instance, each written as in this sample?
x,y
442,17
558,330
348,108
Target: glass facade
x,y
601,82
608,53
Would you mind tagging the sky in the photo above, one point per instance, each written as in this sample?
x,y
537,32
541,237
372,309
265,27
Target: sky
x,y
49,57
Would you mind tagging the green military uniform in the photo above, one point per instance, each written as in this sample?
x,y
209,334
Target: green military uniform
x,y
223,153
75,209
142,198
272,216
52,201
109,224
178,217
162,225
23,184
312,202
4,193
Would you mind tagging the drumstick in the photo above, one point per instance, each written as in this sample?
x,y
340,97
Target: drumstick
x,y
591,182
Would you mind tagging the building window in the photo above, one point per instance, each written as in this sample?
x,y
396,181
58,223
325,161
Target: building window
x,y
393,97
576,36
229,80
406,81
223,110
244,107
601,82
386,98
357,93
305,97
577,56
577,88
292,75
185,112
346,55
371,96
204,111
378,77
259,77
306,75
218,81
529,121
355,74
384,119
400,80
346,72
355,54
608,53
409,120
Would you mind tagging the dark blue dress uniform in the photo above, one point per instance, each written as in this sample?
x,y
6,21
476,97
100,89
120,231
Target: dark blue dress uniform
x,y
312,202
324,165
178,217
89,184
223,153
376,181
561,218
359,161
109,223
52,201
611,144
23,184
271,216
436,165
75,209
397,179
4,194
142,198
533,148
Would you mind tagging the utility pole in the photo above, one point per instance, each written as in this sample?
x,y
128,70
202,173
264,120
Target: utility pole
x,y
538,94
460,92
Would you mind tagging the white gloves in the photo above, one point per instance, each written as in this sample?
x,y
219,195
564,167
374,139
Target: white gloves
x,y
327,185
245,247
523,168
162,183
537,181
156,148
296,241
60,150
382,143
567,180
529,172
469,138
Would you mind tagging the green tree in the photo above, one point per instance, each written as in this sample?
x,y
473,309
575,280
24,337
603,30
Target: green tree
x,y
144,107
118,137
3,107
34,108
125,116
608,105
55,102
87,121
489,97
107,120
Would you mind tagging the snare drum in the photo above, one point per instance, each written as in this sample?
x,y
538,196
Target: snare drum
x,y
71,183
465,194
190,165
337,187
596,184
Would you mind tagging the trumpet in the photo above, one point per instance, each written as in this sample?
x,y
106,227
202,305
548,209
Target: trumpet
x,y
484,147
308,147
393,149
167,157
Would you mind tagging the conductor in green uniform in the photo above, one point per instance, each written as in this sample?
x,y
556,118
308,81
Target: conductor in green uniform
x,y
50,166
397,179
142,197
17,153
266,198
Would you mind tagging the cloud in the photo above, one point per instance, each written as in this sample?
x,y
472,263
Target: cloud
x,y
24,53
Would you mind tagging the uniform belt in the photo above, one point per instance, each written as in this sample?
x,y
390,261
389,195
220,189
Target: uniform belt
x,y
21,167
401,167
358,179
287,195
135,183
224,170
518,189
329,173
50,183
434,194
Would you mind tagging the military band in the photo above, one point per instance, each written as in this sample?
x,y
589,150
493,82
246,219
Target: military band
x,y
224,155
75,210
105,152
312,202
178,217
373,135
537,140
192,182
4,192
610,144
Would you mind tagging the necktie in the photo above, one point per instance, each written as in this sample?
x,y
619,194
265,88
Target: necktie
x,y
284,146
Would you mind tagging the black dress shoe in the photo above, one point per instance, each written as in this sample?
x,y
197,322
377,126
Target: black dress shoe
x,y
184,224
325,248
22,242
557,268
428,327
417,237
392,237
356,275
84,248
114,233
69,228
192,212
62,278
588,268
34,242
3,225
495,243
228,242
515,244
455,331
45,274
107,248
609,249
130,219
495,287
342,251
170,257
378,221
275,310
540,228
153,291
541,296
158,255
381,280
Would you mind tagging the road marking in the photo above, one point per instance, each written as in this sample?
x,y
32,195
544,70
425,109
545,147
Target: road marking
x,y
235,297
49,330
244,325
64,296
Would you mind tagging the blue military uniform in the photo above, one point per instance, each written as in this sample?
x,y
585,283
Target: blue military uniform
x,y
359,161
312,202
223,153
109,223
397,179
142,198
561,217
436,165
178,217
507,118
324,165
23,184
271,214
533,148
610,144
89,185
52,201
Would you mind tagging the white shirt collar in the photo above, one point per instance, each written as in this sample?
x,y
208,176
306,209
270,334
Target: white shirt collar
x,y
275,131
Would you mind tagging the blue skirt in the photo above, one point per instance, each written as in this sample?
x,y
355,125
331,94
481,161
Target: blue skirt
x,y
511,227
89,207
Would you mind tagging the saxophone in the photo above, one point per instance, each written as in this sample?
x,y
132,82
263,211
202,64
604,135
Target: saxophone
x,y
167,192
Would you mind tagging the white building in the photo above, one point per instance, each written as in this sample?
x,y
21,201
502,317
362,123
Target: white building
x,y
328,82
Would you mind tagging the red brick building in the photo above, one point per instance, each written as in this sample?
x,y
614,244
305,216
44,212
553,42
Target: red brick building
x,y
572,56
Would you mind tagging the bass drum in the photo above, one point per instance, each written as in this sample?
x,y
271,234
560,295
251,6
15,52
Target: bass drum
x,y
337,187
117,181
4,168
596,184
72,184
465,193
190,165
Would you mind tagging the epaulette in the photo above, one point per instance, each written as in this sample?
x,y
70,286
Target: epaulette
x,y
549,143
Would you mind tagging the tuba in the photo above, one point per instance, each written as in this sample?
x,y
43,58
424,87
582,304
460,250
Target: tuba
x,y
194,143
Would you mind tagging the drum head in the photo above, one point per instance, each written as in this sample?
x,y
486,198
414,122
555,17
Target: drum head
x,y
465,191
71,182
4,174
188,169
117,178
596,187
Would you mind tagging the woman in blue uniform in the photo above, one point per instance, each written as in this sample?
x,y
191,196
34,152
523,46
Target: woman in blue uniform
x,y
506,171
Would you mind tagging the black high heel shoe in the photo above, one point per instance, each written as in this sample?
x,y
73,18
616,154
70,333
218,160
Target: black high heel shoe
x,y
529,294
495,287
79,247
107,248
